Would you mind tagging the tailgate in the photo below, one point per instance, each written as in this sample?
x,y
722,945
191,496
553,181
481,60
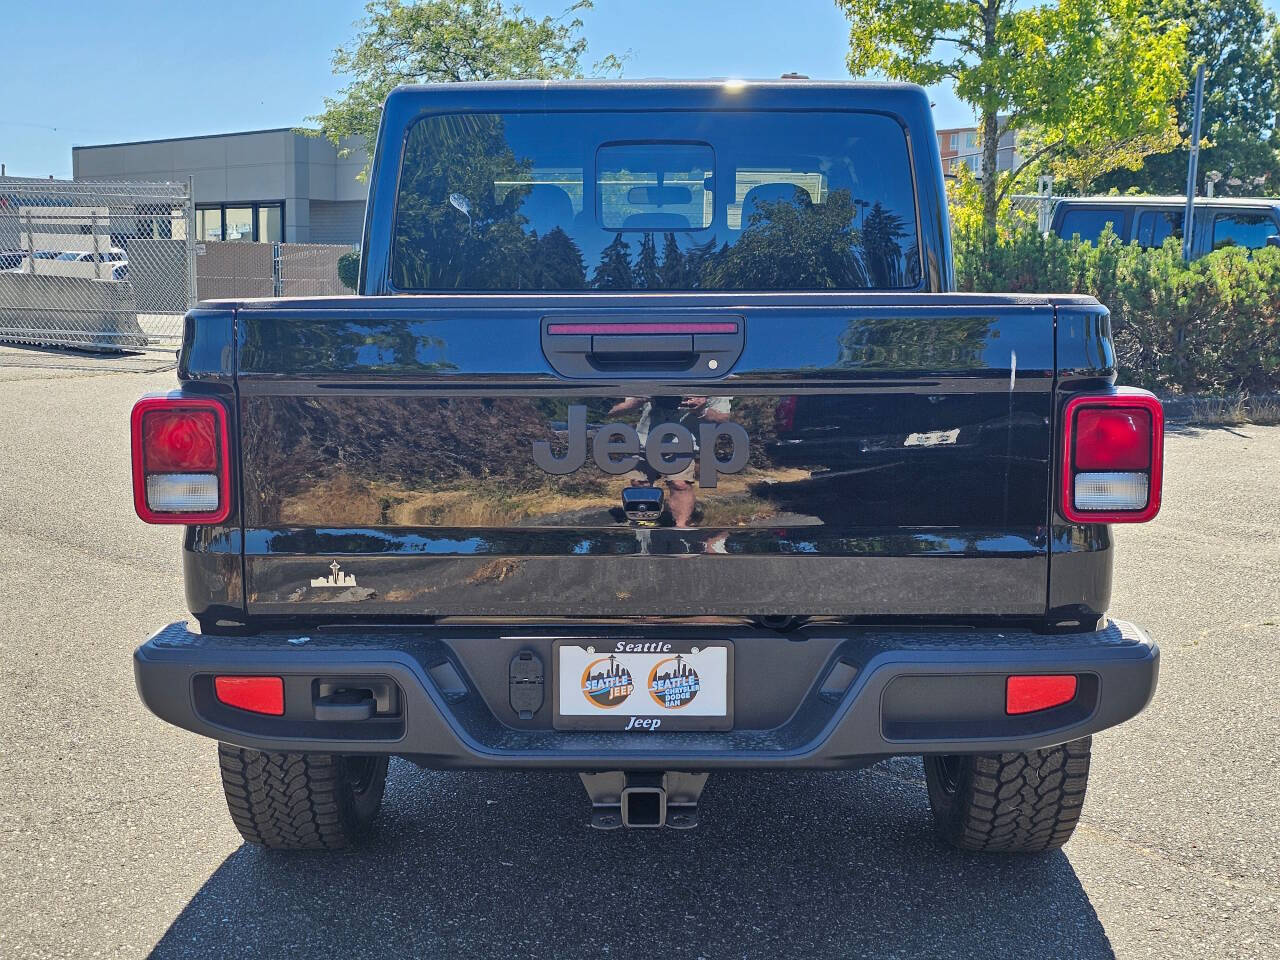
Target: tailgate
x,y
851,454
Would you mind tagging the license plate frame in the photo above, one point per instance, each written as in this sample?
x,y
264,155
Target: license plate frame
x,y
637,710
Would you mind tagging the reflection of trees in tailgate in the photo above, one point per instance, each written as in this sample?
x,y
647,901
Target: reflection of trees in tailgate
x,y
916,343
407,461
370,346
324,449
756,415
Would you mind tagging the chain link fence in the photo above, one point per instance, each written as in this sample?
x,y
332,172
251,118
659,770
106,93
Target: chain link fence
x,y
97,265
235,269
114,265
1036,208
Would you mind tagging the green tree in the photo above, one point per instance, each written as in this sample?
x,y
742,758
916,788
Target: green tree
x,y
882,234
672,274
1237,42
700,259
614,270
648,274
442,41
558,262
1088,84
801,245
454,231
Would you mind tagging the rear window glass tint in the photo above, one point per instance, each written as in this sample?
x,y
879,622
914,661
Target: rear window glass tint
x,y
1089,223
1157,226
1248,230
681,200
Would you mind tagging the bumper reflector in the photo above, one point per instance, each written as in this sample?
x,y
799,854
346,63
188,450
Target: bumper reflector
x,y
182,492
1111,491
255,694
1027,694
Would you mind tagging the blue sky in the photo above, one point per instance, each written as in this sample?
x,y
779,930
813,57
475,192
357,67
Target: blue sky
x,y
155,69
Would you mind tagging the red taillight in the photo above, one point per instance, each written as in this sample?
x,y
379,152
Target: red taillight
x,y
1029,693
180,441
181,460
1112,458
255,694
1113,438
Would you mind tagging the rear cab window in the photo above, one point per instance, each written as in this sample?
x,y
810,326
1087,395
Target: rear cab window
x,y
648,200
1157,226
1089,223
1239,228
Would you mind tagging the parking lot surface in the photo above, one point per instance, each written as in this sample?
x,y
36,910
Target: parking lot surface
x,y
115,841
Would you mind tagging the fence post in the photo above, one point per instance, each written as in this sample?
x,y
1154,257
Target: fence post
x,y
189,214
277,271
97,251
31,246
1045,189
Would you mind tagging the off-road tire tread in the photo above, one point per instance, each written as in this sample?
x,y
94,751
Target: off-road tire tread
x,y
1013,802
292,801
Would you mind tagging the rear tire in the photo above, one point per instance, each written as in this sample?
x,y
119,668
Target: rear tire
x,y
1009,802
302,801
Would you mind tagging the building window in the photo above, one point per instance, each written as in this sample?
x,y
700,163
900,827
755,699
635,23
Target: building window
x,y
270,228
208,223
239,223
244,222
955,143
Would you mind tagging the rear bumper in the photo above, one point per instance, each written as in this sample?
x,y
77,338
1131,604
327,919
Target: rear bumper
x,y
822,697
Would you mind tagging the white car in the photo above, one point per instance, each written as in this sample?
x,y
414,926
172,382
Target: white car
x,y
88,256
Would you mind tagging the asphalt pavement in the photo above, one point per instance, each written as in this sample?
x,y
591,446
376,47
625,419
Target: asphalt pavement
x,y
115,840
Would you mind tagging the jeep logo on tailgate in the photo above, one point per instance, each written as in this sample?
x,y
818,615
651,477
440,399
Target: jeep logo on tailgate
x,y
670,448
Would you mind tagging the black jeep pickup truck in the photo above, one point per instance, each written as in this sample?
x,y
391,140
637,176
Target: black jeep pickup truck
x,y
656,444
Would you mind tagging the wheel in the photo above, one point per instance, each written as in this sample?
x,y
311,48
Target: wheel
x,y
1009,802
301,801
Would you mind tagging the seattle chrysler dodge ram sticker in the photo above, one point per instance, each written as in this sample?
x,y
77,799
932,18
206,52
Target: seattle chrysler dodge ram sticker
x,y
673,683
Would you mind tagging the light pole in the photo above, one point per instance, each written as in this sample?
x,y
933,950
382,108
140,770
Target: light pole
x,y
1188,219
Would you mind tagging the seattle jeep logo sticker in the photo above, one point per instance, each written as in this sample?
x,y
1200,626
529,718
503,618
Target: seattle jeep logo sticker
x,y
607,683
670,448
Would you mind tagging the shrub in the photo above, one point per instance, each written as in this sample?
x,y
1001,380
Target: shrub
x,y
1209,326
349,269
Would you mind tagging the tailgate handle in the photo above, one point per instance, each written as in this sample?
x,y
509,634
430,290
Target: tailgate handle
x,y
674,347
630,347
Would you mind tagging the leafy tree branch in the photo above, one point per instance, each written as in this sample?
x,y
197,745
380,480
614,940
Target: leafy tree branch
x,y
449,41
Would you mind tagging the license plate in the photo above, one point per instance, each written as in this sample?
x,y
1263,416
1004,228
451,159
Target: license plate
x,y
643,686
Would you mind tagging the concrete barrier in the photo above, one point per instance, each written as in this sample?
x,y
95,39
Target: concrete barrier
x,y
90,314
